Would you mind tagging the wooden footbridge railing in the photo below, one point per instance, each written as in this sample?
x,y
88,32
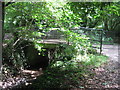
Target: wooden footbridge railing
x,y
56,37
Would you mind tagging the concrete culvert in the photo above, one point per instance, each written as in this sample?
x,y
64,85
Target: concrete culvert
x,y
33,59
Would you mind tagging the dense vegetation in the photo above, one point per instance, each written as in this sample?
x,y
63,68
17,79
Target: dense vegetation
x,y
66,64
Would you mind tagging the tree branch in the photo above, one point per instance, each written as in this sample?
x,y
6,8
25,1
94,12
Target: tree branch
x,y
9,3
115,25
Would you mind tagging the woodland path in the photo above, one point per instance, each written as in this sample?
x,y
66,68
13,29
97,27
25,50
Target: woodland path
x,y
108,75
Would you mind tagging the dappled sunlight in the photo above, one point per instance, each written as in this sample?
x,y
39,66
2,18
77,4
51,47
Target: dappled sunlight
x,y
60,45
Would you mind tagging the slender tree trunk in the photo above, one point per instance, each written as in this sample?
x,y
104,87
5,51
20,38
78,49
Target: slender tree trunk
x,y
106,25
1,29
3,15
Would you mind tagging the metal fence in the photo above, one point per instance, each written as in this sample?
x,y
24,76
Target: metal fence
x,y
95,35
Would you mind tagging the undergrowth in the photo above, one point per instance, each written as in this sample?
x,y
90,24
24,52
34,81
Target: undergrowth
x,y
71,65
64,75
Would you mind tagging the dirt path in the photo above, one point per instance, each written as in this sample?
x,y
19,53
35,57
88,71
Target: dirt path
x,y
111,51
108,75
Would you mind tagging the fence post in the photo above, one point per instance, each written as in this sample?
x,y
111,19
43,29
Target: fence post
x,y
101,36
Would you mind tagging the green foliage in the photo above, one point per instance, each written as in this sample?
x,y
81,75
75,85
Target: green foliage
x,y
59,77
71,62
68,74
95,60
79,42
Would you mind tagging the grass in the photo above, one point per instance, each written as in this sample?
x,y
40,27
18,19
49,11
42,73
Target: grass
x,y
96,60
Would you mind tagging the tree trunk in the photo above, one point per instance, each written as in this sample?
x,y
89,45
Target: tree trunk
x,y
1,28
3,15
106,25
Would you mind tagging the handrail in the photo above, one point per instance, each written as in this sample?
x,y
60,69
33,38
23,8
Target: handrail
x,y
92,29
55,34
86,28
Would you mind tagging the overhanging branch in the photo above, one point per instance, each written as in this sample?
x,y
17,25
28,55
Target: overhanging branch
x,y
9,3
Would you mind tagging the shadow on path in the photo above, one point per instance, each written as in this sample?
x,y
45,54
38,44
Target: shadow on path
x,y
108,75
